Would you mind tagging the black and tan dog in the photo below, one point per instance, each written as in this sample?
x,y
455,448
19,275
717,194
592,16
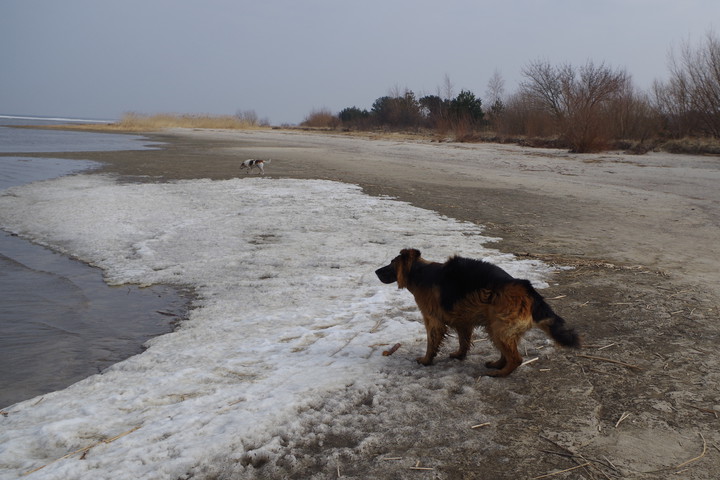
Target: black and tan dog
x,y
463,294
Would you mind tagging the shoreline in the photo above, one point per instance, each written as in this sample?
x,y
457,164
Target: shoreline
x,y
641,290
525,204
61,321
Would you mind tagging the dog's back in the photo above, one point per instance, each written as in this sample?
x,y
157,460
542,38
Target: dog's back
x,y
461,276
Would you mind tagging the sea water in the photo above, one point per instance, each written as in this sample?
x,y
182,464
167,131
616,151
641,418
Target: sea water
x,y
60,321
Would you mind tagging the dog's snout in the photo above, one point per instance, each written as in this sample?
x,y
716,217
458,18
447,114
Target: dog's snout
x,y
386,274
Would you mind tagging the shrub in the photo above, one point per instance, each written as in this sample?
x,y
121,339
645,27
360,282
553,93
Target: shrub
x,y
322,118
576,98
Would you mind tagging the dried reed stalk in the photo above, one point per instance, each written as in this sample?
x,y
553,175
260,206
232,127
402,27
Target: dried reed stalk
x,y
610,360
84,450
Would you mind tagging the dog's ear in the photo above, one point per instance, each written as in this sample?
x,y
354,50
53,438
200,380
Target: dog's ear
x,y
404,263
410,254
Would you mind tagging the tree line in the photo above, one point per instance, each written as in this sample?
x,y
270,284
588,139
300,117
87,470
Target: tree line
x,y
584,108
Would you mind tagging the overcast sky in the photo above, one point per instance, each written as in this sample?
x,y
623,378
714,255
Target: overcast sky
x,y
284,58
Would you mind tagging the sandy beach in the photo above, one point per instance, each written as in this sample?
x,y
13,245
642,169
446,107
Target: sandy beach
x,y
640,234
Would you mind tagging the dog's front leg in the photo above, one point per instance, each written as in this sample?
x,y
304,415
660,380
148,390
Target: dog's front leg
x,y
436,332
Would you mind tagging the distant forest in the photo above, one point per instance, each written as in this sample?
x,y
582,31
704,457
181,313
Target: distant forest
x,y
586,108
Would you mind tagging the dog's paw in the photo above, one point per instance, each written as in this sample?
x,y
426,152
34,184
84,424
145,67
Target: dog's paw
x,y
458,355
497,364
424,361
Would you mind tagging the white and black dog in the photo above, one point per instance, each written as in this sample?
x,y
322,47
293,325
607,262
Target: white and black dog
x,y
252,163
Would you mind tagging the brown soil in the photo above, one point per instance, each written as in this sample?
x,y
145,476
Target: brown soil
x,y
640,400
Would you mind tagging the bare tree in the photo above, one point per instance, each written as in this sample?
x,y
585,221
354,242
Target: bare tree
x,y
631,115
247,116
577,99
495,97
546,86
690,99
448,89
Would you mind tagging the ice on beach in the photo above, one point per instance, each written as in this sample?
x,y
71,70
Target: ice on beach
x,y
288,312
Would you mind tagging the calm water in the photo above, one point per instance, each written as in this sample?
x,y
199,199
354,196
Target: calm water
x,y
59,321
32,141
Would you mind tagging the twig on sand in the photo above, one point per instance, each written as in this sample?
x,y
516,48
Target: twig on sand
x,y
610,360
706,410
624,416
418,467
527,362
704,451
575,456
687,462
84,450
547,475
481,425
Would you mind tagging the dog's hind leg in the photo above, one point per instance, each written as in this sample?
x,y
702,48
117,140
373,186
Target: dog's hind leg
x,y
505,333
464,334
502,361
436,332
510,357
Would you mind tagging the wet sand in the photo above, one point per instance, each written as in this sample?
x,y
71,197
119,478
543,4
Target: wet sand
x,y
641,235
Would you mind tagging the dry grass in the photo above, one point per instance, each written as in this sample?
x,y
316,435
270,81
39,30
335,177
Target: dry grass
x,y
693,145
139,122
135,122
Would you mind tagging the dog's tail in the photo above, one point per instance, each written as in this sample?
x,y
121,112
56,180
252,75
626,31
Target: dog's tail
x,y
550,322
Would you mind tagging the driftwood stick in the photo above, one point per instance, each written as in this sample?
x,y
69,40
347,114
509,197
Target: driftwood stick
x,y
391,350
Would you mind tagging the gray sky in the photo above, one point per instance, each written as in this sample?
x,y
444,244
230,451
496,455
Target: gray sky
x,y
284,58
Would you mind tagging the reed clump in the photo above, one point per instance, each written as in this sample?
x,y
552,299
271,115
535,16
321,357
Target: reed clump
x,y
141,122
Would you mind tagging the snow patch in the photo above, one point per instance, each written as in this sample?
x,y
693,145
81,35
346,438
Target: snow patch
x,y
289,311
